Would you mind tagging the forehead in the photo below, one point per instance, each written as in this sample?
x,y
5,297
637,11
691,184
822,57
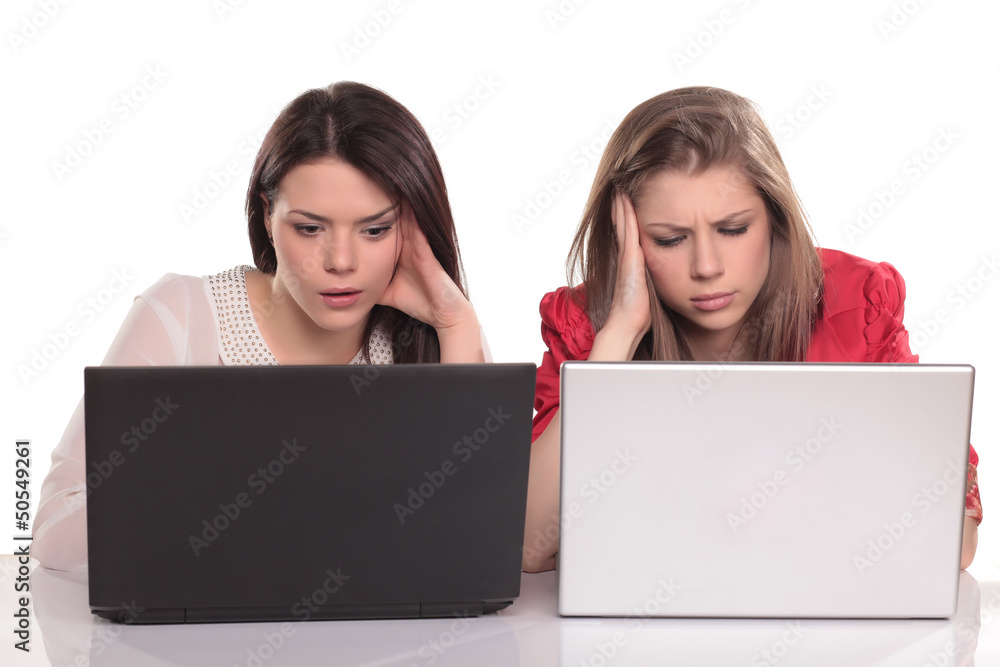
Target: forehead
x,y
714,193
330,183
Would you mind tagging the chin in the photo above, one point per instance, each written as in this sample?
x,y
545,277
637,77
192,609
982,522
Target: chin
x,y
714,325
340,323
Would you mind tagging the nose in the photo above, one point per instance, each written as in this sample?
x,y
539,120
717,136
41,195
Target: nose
x,y
706,262
339,254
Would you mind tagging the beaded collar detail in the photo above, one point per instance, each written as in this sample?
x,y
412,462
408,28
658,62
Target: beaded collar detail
x,y
240,342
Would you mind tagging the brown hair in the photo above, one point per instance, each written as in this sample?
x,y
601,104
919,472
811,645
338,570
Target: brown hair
x,y
379,137
692,130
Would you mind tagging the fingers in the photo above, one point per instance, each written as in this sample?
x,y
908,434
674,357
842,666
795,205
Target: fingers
x,y
406,221
631,223
627,229
617,215
417,241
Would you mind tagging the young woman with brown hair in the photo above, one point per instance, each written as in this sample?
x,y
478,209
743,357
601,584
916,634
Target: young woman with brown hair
x,y
357,262
694,246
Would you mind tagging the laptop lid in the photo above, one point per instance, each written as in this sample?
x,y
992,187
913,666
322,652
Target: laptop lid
x,y
306,492
762,490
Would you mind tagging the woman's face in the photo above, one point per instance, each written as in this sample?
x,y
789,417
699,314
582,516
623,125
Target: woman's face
x,y
335,238
707,244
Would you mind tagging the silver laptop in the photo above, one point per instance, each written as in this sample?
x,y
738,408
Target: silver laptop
x,y
762,490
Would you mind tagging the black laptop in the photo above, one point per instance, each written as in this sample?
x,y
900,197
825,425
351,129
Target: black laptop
x,y
221,494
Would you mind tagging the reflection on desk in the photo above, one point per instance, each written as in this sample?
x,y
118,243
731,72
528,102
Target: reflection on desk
x,y
528,633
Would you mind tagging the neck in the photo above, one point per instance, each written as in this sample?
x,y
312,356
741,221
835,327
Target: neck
x,y
292,336
716,345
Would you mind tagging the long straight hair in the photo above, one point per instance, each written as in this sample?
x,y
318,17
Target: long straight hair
x,y
692,130
379,137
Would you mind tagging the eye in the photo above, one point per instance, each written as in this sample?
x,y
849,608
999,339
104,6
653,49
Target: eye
x,y
734,231
376,232
308,230
668,243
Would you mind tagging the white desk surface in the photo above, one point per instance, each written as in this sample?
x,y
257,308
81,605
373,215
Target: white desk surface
x,y
528,633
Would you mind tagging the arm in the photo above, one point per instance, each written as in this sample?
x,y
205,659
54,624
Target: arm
x,y
423,290
464,343
541,526
973,511
627,323
888,342
60,527
970,540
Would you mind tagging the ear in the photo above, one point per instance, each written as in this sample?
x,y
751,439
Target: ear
x,y
267,213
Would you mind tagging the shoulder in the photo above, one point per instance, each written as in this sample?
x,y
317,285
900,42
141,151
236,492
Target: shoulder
x,y
861,318
564,318
851,282
172,286
183,303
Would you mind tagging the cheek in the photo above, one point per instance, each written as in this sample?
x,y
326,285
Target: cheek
x,y
381,259
663,272
298,259
763,259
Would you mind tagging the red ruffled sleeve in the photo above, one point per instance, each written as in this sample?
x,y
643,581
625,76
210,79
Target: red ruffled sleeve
x,y
569,336
973,506
888,341
886,337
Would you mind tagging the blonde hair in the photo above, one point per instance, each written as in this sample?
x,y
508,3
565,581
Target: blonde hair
x,y
691,130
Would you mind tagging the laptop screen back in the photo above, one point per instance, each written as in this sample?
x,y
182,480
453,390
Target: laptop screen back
x,y
770,490
307,492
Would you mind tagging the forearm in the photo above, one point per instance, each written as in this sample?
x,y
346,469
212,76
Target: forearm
x,y
970,540
541,524
614,343
60,535
462,343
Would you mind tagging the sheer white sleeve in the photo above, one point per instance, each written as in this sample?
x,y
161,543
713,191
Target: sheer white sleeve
x,y
487,354
170,324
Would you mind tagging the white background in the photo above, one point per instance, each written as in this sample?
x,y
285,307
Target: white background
x,y
559,82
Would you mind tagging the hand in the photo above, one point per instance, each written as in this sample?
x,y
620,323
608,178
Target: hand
x,y
420,287
629,312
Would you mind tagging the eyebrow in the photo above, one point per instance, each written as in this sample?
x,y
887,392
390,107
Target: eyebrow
x,y
360,221
729,218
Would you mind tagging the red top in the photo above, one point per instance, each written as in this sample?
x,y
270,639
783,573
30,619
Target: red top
x,y
861,321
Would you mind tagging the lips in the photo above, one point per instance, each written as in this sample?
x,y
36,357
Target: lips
x,y
340,297
713,301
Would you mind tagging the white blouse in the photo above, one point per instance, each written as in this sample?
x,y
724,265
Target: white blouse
x,y
179,321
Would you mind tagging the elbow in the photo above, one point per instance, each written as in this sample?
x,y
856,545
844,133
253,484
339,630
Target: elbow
x,y
967,557
60,538
534,561
53,556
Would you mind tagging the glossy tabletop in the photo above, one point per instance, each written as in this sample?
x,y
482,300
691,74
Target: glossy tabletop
x,y
530,632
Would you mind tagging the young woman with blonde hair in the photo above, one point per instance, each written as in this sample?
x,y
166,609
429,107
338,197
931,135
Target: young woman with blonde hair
x,y
694,246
